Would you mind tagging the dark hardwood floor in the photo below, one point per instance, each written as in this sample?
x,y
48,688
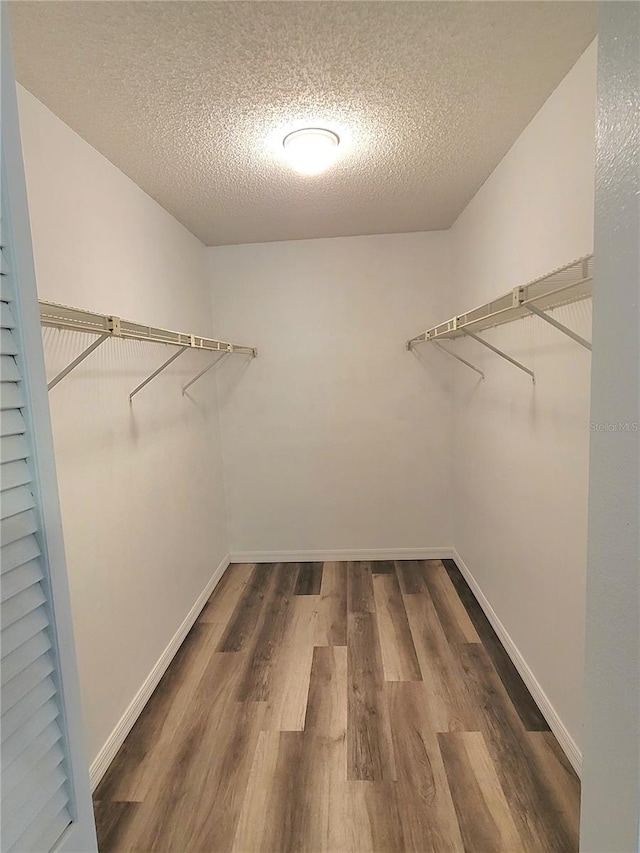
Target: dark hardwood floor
x,y
340,707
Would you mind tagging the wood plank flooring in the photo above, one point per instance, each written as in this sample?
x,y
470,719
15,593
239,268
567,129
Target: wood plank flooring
x,y
342,707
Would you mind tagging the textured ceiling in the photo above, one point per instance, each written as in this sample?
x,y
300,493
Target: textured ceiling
x,y
192,100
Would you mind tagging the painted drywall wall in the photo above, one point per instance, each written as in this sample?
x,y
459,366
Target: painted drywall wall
x,y
521,451
335,438
611,778
140,486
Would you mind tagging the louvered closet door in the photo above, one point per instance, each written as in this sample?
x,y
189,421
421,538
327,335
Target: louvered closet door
x,y
46,802
35,796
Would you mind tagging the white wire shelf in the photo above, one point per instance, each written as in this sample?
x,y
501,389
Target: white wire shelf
x,y
108,325
563,286
65,317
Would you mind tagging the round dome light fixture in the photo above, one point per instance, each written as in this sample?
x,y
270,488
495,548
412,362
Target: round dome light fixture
x,y
311,150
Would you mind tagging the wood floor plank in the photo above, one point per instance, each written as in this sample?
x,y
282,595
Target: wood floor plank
x,y
134,767
266,645
382,567
527,710
285,828
410,576
305,810
291,668
243,621
328,806
428,816
399,659
136,784
327,703
250,832
112,821
370,752
563,783
360,587
446,696
526,789
374,824
455,620
484,816
197,797
309,579
331,627
325,752
225,597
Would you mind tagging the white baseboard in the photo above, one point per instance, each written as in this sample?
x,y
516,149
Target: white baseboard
x,y
116,738
324,556
550,714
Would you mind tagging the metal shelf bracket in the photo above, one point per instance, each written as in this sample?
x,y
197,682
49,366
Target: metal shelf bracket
x,y
499,352
458,358
76,361
166,364
206,370
560,326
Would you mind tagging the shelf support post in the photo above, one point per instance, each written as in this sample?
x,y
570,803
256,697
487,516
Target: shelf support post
x,y
156,372
76,361
202,372
458,357
499,352
560,326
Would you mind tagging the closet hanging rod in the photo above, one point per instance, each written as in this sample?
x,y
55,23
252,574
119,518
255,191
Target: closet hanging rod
x,y
563,286
107,325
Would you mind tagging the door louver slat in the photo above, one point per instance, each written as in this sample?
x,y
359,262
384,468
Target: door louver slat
x,y
9,371
29,704
18,606
18,526
11,423
22,578
13,826
25,681
13,447
13,664
15,501
15,474
48,826
8,345
11,396
20,768
18,553
30,729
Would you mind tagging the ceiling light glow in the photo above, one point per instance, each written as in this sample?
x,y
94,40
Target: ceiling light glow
x,y
311,150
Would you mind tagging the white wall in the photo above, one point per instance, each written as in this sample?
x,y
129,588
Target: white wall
x,y
335,438
141,487
521,452
611,778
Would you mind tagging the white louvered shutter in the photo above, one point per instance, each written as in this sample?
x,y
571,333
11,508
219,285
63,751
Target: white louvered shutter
x,y
45,791
35,794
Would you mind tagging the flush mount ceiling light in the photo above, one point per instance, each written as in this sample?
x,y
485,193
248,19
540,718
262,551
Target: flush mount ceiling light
x,y
311,150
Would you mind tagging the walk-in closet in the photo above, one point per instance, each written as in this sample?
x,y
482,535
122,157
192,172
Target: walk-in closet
x,y
320,426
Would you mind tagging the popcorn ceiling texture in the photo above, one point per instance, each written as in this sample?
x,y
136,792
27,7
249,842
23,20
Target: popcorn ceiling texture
x,y
192,99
